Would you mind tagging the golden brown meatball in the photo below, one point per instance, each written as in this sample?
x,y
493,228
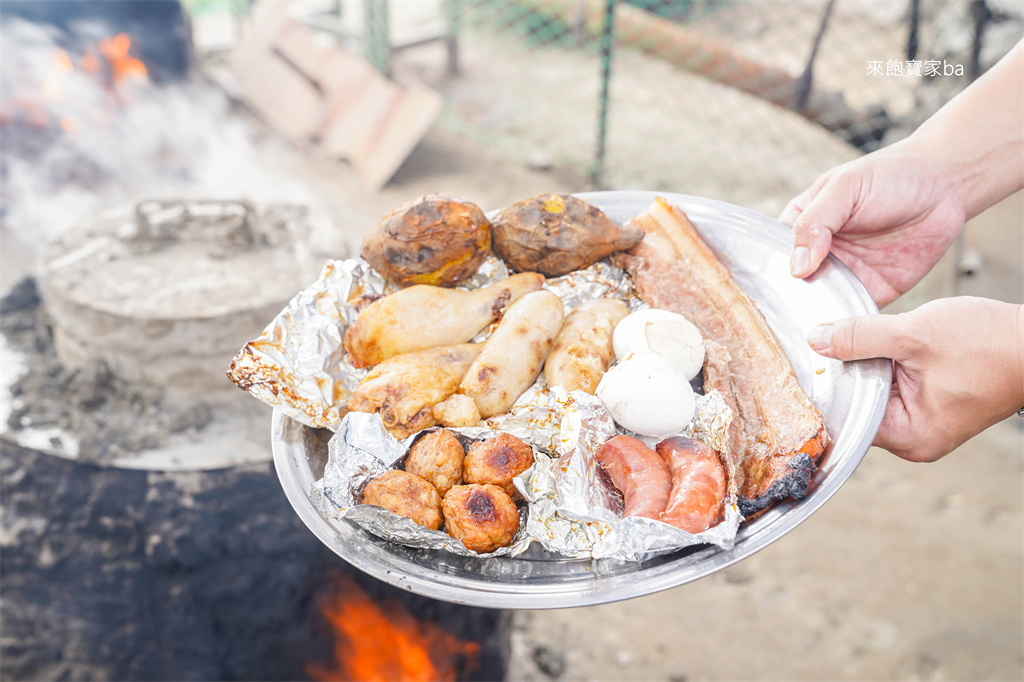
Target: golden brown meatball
x,y
484,517
407,495
497,461
437,457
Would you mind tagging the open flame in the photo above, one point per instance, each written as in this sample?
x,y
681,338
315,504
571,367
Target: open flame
x,y
52,87
122,64
385,643
108,63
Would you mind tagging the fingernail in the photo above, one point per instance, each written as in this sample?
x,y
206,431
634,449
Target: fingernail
x,y
801,259
820,337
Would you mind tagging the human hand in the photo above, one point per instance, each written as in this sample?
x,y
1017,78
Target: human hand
x,y
888,216
958,369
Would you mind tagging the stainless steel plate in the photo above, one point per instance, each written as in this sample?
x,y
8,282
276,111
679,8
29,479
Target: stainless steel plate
x,y
851,396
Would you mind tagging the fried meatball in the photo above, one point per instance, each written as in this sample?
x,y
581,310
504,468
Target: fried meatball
x,y
407,495
497,461
437,457
484,517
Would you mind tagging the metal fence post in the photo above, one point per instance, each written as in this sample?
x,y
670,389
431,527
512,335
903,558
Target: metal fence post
x,y
981,14
451,10
378,40
607,43
806,81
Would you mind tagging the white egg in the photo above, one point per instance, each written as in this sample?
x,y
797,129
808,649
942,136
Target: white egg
x,y
630,334
647,395
679,342
668,334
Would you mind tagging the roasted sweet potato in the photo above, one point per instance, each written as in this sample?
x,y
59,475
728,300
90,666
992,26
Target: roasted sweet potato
x,y
554,234
430,240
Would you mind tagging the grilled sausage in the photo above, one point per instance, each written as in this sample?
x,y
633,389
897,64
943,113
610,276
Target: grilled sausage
x,y
583,349
512,357
698,484
639,473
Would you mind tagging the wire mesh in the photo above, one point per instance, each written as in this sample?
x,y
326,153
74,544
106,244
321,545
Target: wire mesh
x,y
742,100
747,101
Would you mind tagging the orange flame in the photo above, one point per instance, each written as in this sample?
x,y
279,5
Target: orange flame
x,y
385,643
122,64
62,61
52,87
90,63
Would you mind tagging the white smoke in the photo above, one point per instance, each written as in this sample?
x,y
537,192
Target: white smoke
x,y
122,141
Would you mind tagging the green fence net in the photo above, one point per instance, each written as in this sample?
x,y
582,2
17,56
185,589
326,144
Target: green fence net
x,y
746,101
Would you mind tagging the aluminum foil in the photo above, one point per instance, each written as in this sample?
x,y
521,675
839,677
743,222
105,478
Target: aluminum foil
x,y
600,280
361,450
572,509
298,364
577,512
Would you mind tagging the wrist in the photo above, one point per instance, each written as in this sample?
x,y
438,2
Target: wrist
x,y
977,136
955,178
987,176
1011,384
996,365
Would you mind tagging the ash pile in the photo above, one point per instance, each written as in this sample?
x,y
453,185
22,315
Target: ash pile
x,y
122,342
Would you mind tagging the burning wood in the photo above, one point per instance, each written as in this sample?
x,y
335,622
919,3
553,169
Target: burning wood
x,y
385,643
45,106
122,64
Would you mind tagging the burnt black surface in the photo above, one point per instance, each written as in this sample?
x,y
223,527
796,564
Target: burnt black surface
x,y
113,574
794,484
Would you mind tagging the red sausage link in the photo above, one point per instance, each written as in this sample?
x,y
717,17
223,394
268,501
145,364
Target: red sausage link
x,y
638,472
698,484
